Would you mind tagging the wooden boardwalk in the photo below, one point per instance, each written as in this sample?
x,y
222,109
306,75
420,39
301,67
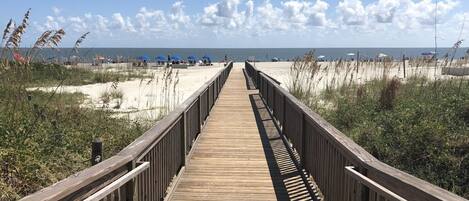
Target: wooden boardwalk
x,y
240,154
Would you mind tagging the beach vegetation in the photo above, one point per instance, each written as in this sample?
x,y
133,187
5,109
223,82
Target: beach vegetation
x,y
46,135
418,124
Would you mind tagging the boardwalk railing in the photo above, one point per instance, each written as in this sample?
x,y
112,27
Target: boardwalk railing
x,y
159,155
342,169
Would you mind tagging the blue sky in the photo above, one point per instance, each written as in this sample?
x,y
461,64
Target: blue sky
x,y
244,23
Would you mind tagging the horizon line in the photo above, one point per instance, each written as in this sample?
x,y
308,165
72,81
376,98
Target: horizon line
x,y
248,47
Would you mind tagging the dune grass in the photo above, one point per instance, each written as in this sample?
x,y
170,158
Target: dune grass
x,y
46,136
418,125
54,74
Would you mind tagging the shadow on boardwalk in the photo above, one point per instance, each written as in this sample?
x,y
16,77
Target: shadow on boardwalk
x,y
289,181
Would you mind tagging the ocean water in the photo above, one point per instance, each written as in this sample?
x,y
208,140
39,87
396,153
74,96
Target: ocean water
x,y
238,54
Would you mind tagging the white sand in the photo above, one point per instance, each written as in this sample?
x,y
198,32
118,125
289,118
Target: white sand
x,y
337,76
142,98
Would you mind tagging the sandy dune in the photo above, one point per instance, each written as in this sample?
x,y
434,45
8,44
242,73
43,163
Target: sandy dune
x,y
142,98
331,76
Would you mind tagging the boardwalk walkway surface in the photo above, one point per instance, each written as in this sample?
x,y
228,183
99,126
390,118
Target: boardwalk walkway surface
x,y
240,154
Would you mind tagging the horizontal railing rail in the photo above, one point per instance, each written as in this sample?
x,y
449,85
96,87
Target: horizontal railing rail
x,y
111,191
325,152
164,147
382,193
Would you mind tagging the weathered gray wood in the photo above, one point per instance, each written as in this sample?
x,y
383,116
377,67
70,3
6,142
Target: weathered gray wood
x,y
118,183
240,156
164,136
328,151
380,190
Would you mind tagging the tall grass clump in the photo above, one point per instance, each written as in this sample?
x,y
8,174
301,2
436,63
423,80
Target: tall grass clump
x,y
167,87
302,78
46,136
418,124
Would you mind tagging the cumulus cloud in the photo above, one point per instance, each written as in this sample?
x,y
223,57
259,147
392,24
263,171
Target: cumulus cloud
x,y
144,21
56,10
303,13
51,23
224,14
258,17
270,17
78,24
384,10
352,12
118,22
177,16
265,17
402,14
148,20
415,14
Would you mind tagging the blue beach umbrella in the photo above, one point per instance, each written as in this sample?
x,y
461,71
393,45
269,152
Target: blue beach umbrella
x,y
176,58
161,58
192,58
428,53
206,57
143,58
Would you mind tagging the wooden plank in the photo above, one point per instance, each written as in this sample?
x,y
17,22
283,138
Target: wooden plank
x,y
233,159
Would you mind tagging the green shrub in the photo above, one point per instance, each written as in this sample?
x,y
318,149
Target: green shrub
x,y
420,126
45,136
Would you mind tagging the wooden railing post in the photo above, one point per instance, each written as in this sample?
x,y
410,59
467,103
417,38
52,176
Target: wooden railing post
x,y
208,100
183,138
284,114
364,191
96,151
200,112
130,186
302,138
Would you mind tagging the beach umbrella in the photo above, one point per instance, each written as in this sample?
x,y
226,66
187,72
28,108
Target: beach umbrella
x,y
381,55
321,57
350,54
143,58
206,57
275,59
176,58
191,58
161,58
428,53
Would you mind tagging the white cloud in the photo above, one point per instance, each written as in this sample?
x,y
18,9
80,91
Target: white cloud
x,y
56,10
51,23
150,20
249,9
384,10
101,24
352,12
242,17
392,14
266,17
224,14
177,16
304,13
270,17
78,24
416,14
118,22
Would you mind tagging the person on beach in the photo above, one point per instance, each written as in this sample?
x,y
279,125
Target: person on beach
x,y
169,60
